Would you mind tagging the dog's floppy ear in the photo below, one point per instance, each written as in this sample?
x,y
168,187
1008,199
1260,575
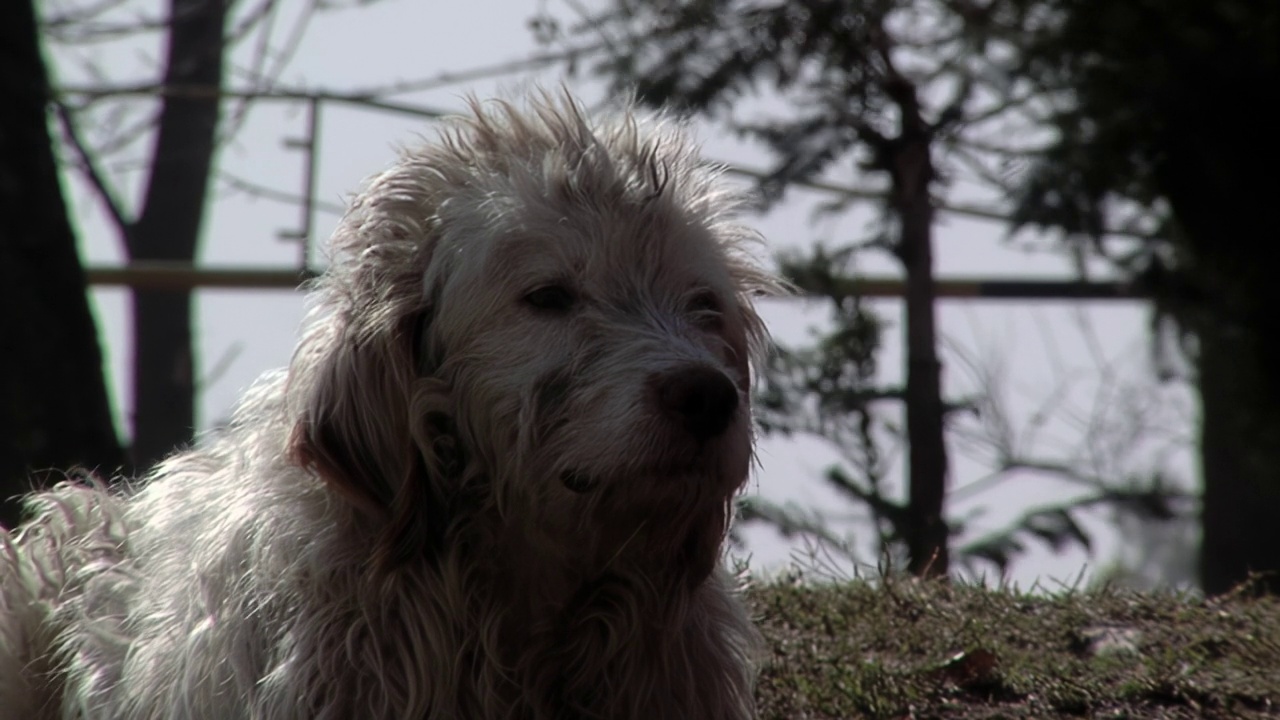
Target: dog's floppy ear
x,y
367,413
365,424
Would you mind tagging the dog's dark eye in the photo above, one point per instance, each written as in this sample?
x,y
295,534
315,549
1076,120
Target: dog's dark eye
x,y
551,299
705,309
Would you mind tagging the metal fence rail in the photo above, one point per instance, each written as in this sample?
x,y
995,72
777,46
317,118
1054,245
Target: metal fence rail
x,y
181,276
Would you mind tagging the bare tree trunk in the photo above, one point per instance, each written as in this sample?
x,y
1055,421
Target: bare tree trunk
x,y
928,534
54,408
168,228
909,161
1221,193
1241,494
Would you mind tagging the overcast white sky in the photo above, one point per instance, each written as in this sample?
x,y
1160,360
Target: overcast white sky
x,y
1035,349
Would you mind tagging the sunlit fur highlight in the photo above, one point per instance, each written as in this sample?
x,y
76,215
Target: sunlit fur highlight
x,y
385,529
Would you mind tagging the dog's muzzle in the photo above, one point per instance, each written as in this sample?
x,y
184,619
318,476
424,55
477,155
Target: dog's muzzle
x,y
698,404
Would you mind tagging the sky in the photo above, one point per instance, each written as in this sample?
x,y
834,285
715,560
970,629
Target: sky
x,y
1072,376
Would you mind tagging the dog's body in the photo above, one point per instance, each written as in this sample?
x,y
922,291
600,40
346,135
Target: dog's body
x,y
494,481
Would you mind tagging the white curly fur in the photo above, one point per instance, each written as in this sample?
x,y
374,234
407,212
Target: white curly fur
x,y
464,498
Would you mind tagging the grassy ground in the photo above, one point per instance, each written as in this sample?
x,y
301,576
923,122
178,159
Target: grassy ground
x,y
906,649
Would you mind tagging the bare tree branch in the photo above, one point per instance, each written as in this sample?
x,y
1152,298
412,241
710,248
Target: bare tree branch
x,y
483,72
97,180
93,93
253,189
367,99
263,13
76,16
125,130
280,56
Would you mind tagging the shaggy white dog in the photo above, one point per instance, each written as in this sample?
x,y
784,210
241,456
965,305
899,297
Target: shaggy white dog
x,y
494,481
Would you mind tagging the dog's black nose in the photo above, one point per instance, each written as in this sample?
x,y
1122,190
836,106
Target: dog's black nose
x,y
703,399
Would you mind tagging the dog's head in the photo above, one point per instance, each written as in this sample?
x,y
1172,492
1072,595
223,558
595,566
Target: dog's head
x,y
541,321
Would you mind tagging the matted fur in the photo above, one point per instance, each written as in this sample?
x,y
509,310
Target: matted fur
x,y
464,499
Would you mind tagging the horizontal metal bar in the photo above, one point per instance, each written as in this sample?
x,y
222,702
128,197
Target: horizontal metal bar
x,y
1000,289
181,276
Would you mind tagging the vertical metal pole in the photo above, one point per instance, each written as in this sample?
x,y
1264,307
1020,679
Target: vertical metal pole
x,y
310,145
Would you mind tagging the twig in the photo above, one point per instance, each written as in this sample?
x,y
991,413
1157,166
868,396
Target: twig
x,y
361,99
281,58
482,72
90,168
367,99
253,189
